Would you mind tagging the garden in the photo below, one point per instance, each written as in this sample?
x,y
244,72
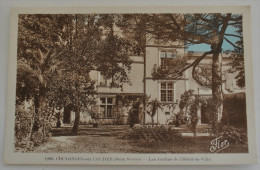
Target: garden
x,y
177,137
57,52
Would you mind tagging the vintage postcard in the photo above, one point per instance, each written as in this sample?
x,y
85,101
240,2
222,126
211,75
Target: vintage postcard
x,y
130,86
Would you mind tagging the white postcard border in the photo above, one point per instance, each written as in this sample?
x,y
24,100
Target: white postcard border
x,y
12,157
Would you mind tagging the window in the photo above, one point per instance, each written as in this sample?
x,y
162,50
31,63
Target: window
x,y
167,92
165,55
103,81
106,107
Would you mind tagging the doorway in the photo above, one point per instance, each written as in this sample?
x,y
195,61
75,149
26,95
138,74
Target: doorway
x,y
204,118
66,114
136,112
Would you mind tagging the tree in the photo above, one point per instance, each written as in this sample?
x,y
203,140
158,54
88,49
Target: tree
x,y
113,60
134,27
109,53
186,99
237,57
194,114
184,105
37,72
128,101
152,107
59,52
32,78
74,84
38,58
198,29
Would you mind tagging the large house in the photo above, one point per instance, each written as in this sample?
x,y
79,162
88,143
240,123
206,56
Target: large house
x,y
142,83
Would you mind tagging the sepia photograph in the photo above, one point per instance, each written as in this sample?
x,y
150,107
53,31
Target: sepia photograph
x,y
130,83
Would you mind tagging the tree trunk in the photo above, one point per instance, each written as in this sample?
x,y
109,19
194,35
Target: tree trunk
x,y
177,124
43,132
28,145
35,111
217,93
39,105
152,121
217,85
195,134
76,122
42,97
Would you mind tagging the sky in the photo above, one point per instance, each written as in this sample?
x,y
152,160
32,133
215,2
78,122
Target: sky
x,y
225,46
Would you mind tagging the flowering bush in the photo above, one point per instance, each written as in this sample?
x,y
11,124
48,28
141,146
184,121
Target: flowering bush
x,y
120,118
234,135
158,133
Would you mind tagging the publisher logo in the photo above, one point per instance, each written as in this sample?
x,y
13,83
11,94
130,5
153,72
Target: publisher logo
x,y
218,144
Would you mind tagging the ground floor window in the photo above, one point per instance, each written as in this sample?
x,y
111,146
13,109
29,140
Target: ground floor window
x,y
167,91
106,107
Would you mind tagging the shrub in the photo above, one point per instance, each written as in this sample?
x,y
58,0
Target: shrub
x,y
212,115
120,119
31,129
177,119
158,133
234,110
22,125
131,118
234,135
194,114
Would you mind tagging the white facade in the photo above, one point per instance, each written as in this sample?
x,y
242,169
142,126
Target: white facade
x,y
166,91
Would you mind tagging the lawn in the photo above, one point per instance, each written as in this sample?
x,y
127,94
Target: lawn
x,y
107,139
187,145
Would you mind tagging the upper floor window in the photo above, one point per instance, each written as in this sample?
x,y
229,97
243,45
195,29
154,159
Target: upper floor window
x,y
103,81
167,92
167,55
